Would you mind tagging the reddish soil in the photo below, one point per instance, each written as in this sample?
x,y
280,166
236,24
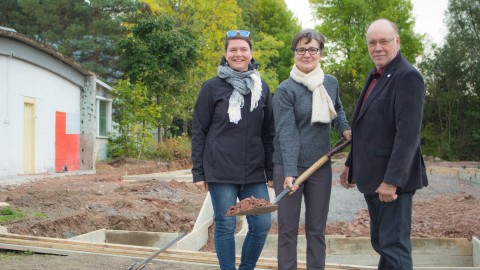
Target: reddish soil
x,y
66,206
443,216
247,204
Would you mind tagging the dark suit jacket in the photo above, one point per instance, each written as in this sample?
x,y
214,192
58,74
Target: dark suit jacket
x,y
386,132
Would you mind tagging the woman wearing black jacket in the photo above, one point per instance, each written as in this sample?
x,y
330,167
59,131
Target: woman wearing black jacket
x,y
232,146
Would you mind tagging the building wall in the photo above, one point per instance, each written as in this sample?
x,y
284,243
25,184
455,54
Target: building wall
x,y
51,94
59,98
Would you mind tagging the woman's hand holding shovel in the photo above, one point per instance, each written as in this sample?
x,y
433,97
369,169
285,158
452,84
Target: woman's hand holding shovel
x,y
290,183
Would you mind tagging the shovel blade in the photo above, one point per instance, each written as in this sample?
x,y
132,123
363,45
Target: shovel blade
x,y
258,210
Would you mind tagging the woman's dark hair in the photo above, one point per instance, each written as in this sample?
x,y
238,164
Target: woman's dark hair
x,y
238,37
309,34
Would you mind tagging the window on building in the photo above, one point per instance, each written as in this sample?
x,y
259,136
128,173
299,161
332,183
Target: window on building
x,y
103,117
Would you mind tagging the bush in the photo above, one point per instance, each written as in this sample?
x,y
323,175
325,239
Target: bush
x,y
174,148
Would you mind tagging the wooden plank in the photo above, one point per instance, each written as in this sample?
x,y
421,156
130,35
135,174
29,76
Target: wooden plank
x,y
55,245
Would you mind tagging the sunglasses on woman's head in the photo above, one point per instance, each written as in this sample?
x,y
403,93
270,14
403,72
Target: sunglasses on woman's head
x,y
238,33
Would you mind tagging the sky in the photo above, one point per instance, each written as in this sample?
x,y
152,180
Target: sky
x,y
429,15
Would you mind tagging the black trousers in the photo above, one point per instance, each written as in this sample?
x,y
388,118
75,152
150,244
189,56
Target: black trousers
x,y
315,192
390,228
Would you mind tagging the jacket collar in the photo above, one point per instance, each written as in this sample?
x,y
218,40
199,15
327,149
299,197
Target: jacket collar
x,y
384,79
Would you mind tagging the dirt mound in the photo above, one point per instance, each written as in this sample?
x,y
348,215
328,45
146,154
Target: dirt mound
x,y
67,206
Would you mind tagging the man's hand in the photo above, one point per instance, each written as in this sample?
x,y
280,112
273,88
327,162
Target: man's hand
x,y
344,179
386,192
347,134
201,185
288,182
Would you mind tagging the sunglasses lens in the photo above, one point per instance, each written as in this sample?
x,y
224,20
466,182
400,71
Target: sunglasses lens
x,y
234,33
244,33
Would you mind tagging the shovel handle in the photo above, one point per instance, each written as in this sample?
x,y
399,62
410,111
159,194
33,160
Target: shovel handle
x,y
319,163
281,195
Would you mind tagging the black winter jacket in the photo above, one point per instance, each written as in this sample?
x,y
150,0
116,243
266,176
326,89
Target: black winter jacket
x,y
224,152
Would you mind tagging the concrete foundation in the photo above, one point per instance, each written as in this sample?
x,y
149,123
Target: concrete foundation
x,y
433,253
466,174
134,238
428,253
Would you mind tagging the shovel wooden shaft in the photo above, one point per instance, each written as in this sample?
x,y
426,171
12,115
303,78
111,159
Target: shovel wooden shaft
x,y
319,163
304,176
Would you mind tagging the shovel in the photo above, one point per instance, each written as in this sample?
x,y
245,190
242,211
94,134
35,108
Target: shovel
x,y
338,146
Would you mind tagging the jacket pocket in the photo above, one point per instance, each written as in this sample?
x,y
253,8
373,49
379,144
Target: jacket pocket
x,y
226,162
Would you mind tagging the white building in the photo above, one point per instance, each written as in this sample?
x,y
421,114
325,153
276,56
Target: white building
x,y
55,115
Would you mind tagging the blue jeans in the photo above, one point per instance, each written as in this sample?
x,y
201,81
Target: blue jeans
x,y
223,197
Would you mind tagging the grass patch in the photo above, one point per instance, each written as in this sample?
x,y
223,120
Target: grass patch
x,y
8,254
8,214
40,214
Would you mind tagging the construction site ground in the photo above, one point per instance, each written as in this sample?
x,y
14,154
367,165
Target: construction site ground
x,y
66,205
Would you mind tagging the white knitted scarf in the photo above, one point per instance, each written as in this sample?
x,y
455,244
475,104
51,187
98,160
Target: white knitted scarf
x,y
322,105
243,84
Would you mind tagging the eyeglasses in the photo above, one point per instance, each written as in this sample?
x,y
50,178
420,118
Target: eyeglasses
x,y
311,51
382,42
235,33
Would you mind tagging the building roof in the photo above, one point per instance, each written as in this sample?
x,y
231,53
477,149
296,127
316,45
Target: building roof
x,y
9,34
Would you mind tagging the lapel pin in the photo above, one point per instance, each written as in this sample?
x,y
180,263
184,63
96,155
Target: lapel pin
x,y
388,76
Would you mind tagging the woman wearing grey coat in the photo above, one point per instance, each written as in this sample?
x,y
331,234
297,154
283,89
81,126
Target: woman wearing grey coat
x,y
305,106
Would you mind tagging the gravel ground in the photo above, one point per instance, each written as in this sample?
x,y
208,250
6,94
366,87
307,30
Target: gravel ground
x,y
344,203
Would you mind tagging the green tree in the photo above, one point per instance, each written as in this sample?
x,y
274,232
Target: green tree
x,y
158,54
273,18
209,20
452,113
344,23
87,31
266,51
135,116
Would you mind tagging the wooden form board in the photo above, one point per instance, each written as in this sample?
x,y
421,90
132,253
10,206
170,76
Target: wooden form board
x,y
63,246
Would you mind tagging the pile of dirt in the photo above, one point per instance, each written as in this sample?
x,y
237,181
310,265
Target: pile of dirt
x,y
246,205
67,206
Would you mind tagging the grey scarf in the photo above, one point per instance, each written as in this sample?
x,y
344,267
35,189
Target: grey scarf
x,y
243,84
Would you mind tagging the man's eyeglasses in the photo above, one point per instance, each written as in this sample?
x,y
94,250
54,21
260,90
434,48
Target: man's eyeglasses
x,y
238,33
382,42
311,51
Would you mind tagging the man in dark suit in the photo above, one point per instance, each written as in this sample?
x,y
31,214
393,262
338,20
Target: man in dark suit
x,y
385,162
